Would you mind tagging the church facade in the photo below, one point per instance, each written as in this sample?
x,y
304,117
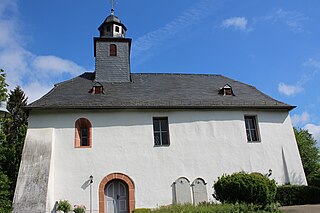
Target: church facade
x,y
114,141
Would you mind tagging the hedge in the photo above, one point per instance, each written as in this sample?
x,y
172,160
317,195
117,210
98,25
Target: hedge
x,y
248,188
288,195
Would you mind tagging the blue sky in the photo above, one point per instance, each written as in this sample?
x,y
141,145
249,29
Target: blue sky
x,y
273,45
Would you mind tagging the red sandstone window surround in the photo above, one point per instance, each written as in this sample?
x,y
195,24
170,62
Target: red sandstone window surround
x,y
83,133
113,50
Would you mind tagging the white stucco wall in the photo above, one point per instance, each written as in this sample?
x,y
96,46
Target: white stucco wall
x,y
203,144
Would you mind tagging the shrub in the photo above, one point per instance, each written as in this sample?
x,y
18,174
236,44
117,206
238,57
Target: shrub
x,y
142,210
314,179
5,202
64,206
249,188
79,209
298,195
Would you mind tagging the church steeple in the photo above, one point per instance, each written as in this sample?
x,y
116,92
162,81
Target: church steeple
x,y
112,51
112,27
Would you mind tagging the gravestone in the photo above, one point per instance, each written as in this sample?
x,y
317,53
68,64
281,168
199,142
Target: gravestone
x,y
199,191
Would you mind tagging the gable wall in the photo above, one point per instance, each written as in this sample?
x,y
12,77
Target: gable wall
x,y
203,144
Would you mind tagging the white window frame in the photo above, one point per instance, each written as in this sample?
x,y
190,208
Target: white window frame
x,y
249,129
160,132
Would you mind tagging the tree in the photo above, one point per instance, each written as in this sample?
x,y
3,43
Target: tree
x,y
309,153
3,86
5,203
14,128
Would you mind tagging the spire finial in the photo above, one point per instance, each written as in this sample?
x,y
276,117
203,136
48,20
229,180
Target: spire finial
x,y
112,2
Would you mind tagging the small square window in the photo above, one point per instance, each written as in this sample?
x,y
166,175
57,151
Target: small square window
x,y
108,28
117,29
251,128
161,131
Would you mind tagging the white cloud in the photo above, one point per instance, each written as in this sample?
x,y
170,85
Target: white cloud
x,y
238,23
293,19
313,63
300,119
35,74
289,90
57,65
315,131
307,76
143,44
36,90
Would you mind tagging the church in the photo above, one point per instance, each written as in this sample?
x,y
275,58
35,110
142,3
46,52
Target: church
x,y
113,140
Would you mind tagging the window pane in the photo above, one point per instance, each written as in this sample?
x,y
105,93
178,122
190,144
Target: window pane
x,y
165,140
156,125
84,132
254,135
250,123
161,131
248,135
84,142
157,139
247,123
251,128
84,137
113,50
164,125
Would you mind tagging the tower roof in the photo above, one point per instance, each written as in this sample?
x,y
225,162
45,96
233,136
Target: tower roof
x,y
112,19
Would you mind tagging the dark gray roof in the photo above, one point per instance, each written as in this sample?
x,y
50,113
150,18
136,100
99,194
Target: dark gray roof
x,y
112,18
162,91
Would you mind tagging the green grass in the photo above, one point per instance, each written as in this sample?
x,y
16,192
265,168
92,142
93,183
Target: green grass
x,y
212,208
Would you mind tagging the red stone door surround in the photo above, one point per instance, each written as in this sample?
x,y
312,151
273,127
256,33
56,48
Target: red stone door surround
x,y
116,176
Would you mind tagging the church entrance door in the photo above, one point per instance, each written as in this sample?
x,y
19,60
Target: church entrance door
x,y
116,197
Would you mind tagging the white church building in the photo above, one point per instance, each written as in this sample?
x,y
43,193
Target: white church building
x,y
114,141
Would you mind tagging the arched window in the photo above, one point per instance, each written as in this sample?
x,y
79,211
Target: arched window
x,y
83,133
113,50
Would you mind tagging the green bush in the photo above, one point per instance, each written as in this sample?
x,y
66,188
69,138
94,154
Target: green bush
x,y
79,209
298,195
248,188
314,179
142,210
64,206
215,208
5,202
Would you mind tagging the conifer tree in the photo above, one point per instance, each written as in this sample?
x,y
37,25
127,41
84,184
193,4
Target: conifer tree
x,y
3,86
5,203
15,128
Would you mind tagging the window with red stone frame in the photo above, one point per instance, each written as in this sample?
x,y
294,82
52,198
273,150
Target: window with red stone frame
x,y
113,50
83,133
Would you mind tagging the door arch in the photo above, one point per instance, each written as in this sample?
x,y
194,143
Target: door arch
x,y
116,181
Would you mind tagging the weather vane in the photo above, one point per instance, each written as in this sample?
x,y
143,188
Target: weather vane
x,y
113,3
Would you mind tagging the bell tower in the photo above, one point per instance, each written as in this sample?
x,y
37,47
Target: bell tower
x,y
112,51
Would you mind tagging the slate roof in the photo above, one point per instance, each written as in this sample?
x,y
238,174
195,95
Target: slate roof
x,y
156,91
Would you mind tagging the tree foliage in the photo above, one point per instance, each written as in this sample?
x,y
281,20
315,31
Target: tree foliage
x,y
14,130
5,203
309,153
3,86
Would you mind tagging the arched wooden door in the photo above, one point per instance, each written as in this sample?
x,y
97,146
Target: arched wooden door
x,y
116,197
